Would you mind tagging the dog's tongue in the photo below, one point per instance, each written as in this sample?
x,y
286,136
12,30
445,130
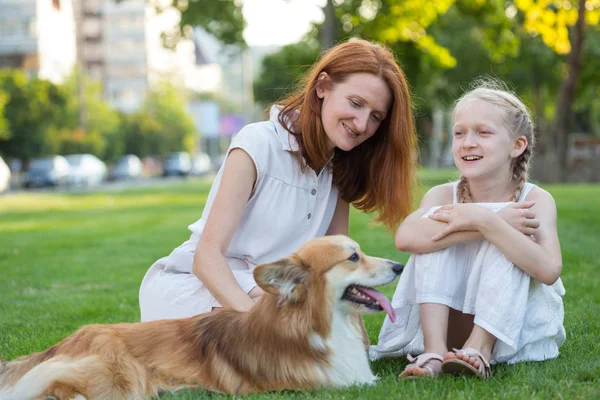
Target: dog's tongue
x,y
384,302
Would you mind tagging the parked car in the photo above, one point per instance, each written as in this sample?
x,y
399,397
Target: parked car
x,y
201,164
86,170
4,175
47,171
179,163
128,167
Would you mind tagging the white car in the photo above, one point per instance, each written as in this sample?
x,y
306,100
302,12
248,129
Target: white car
x,y
47,171
179,163
4,175
128,167
201,164
86,170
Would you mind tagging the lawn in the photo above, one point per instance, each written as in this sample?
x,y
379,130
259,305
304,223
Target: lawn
x,y
69,259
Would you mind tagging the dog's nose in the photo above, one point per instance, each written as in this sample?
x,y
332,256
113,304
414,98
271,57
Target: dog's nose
x,y
397,267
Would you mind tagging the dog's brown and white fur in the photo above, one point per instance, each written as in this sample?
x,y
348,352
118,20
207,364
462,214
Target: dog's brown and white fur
x,y
302,334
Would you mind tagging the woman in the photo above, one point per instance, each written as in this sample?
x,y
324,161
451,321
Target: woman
x,y
346,136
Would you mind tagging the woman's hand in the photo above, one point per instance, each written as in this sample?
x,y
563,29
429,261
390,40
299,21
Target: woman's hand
x,y
460,217
521,217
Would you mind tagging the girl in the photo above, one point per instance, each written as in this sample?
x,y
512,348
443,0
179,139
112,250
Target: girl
x,y
345,137
485,274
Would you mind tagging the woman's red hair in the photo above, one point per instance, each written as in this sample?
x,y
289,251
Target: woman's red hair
x,y
379,174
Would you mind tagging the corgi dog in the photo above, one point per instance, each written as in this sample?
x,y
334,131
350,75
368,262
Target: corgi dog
x,y
303,333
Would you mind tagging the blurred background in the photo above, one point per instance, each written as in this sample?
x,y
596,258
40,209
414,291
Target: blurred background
x,y
97,91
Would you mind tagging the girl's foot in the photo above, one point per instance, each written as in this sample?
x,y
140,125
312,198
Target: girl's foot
x,y
427,365
467,361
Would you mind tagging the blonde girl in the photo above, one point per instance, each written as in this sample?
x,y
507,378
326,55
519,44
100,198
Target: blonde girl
x,y
483,283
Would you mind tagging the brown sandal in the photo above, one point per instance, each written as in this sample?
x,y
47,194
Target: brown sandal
x,y
459,367
423,361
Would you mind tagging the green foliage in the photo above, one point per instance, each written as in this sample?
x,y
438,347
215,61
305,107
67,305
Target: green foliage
x,y
31,106
74,141
162,125
102,123
4,132
221,18
551,20
282,70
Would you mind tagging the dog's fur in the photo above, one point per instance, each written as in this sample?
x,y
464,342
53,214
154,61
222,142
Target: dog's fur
x,y
302,334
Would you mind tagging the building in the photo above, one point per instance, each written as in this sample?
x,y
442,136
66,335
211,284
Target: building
x,y
122,47
38,37
113,49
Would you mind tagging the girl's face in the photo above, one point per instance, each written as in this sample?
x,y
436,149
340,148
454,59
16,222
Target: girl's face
x,y
352,110
482,145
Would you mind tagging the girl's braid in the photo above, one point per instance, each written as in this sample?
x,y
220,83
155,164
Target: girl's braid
x,y
463,194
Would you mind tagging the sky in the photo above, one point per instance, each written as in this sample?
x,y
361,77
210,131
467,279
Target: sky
x,y
279,22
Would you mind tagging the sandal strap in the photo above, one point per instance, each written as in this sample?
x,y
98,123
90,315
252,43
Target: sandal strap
x,y
483,362
423,359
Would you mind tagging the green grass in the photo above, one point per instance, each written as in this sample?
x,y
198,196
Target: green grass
x,y
69,259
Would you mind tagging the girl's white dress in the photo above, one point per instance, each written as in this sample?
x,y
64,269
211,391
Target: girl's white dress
x,y
474,277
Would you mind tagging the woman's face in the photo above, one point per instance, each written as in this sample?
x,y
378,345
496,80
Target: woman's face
x,y
352,110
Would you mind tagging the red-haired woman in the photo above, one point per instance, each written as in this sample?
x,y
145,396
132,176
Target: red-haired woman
x,y
346,136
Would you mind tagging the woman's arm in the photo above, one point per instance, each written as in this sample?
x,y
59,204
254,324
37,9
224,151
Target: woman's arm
x,y
540,258
210,264
340,220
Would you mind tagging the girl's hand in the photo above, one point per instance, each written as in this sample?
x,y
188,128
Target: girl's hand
x,y
460,217
521,217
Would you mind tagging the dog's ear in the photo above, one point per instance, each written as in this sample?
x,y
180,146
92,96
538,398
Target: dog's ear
x,y
287,278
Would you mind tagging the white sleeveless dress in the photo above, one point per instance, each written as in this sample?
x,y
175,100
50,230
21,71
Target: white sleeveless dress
x,y
289,206
476,278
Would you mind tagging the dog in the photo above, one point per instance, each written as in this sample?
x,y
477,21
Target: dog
x,y
302,334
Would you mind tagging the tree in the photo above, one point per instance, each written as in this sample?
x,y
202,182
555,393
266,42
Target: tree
x,y
566,95
281,71
162,125
221,18
101,135
551,20
31,107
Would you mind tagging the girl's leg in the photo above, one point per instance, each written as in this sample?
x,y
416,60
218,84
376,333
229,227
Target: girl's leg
x,y
434,323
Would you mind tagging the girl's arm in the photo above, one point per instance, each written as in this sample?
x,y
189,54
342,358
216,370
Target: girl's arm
x,y
340,220
540,258
414,235
210,264
424,235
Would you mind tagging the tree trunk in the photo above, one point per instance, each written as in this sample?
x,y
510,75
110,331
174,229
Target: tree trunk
x,y
328,32
435,140
566,94
544,140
